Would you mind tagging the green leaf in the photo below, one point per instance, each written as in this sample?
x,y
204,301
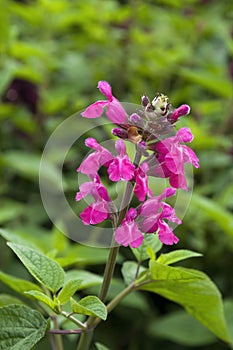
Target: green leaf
x,y
101,346
68,290
17,284
6,299
194,291
48,272
43,298
176,255
20,327
129,270
91,306
178,326
150,241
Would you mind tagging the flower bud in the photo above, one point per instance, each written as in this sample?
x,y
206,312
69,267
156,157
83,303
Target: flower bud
x,y
145,100
178,112
120,133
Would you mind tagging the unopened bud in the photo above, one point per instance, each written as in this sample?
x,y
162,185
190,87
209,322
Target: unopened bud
x,y
145,100
120,133
179,112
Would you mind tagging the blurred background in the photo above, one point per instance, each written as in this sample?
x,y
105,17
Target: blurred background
x,y
52,55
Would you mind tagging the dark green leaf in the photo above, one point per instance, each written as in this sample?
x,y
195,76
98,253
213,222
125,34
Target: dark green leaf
x,y
20,327
48,272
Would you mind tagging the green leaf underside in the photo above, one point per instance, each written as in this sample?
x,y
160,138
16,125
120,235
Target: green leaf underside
x,y
91,306
152,241
43,298
17,284
194,291
46,271
20,327
176,255
129,270
68,290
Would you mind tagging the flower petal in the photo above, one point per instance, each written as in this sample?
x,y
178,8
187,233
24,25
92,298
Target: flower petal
x,y
94,110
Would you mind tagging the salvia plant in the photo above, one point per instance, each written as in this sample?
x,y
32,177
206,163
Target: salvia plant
x,y
143,221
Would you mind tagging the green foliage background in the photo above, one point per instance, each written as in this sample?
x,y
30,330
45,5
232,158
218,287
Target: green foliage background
x,y
52,55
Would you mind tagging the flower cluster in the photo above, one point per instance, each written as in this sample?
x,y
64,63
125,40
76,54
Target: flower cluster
x,y
160,153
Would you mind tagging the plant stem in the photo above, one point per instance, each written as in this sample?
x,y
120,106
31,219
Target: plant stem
x,y
57,337
74,320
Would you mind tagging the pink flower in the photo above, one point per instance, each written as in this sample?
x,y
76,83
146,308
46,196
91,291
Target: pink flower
x,y
166,234
141,188
95,188
152,214
115,112
97,211
121,167
172,155
128,233
95,160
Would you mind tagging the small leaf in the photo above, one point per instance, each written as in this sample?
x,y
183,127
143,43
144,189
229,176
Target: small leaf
x,y
176,255
91,306
194,291
17,284
43,298
129,270
150,242
68,290
48,272
20,327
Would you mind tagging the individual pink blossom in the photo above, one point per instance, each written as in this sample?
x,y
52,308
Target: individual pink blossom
x,y
114,110
95,160
141,182
166,235
128,233
172,155
152,214
121,167
95,188
97,211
